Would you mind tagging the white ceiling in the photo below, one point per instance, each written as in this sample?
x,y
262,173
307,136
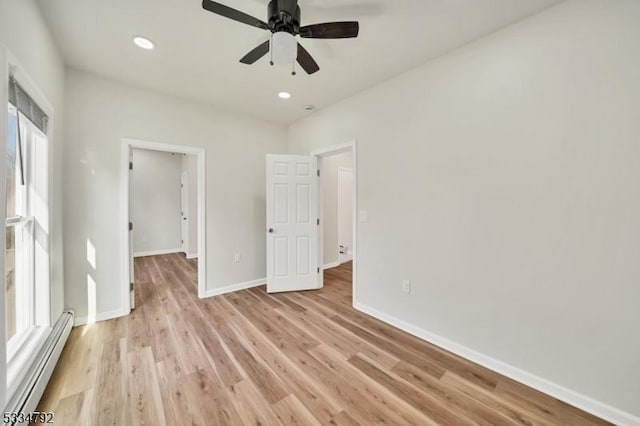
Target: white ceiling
x,y
197,52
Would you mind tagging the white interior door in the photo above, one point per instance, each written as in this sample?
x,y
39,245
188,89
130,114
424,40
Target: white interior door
x,y
185,211
292,223
131,261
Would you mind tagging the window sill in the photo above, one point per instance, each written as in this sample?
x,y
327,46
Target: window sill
x,y
22,354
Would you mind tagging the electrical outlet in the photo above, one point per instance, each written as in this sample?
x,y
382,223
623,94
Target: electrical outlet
x,y
237,257
406,286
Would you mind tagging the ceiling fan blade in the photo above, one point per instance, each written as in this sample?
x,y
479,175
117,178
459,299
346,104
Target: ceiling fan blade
x,y
256,53
236,15
306,61
331,30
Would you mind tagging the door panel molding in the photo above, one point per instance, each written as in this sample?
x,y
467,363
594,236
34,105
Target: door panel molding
x,y
292,229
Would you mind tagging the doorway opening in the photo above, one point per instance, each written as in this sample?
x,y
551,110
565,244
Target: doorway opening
x,y
163,218
337,207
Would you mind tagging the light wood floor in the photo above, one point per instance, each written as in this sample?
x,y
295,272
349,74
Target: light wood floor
x,y
250,358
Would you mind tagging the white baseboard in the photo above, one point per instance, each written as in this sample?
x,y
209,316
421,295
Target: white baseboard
x,y
157,252
331,265
102,316
192,256
576,399
233,287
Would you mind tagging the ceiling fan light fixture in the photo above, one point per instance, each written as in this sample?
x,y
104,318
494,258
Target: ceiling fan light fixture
x,y
284,48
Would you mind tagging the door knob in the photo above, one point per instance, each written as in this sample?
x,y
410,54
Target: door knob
x,y
271,230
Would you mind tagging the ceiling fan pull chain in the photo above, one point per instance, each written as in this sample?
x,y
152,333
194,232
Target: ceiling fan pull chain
x,y
271,49
293,71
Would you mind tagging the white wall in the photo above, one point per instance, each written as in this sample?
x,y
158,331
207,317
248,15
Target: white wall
x,y
38,57
190,167
25,35
155,201
4,100
508,172
329,182
101,112
345,209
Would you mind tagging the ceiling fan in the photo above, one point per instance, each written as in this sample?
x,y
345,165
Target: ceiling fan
x,y
284,24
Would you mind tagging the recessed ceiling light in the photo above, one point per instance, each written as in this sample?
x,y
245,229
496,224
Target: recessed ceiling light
x,y
143,42
284,95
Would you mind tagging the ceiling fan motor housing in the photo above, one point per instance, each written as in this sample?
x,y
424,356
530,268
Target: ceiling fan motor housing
x,y
284,15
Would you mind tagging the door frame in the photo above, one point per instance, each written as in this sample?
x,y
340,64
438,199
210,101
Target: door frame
x,y
184,209
327,152
126,146
350,171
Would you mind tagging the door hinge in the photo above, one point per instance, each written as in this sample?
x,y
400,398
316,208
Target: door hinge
x,y
130,226
130,165
318,172
130,286
318,269
318,221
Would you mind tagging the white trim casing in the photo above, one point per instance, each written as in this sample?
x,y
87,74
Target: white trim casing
x,y
157,252
127,145
331,265
573,398
235,287
326,152
102,316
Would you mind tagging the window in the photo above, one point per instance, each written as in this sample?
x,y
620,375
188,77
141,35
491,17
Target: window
x,y
26,223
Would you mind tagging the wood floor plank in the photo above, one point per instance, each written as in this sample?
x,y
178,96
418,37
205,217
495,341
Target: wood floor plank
x,y
552,410
249,357
432,398
203,385
346,343
489,399
147,407
291,411
111,373
256,369
318,401
388,407
250,405
449,396
342,419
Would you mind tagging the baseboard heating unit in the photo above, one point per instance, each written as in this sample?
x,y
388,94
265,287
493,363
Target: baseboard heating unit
x,y
28,393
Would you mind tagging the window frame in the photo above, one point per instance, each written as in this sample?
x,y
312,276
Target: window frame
x,y
23,223
24,350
